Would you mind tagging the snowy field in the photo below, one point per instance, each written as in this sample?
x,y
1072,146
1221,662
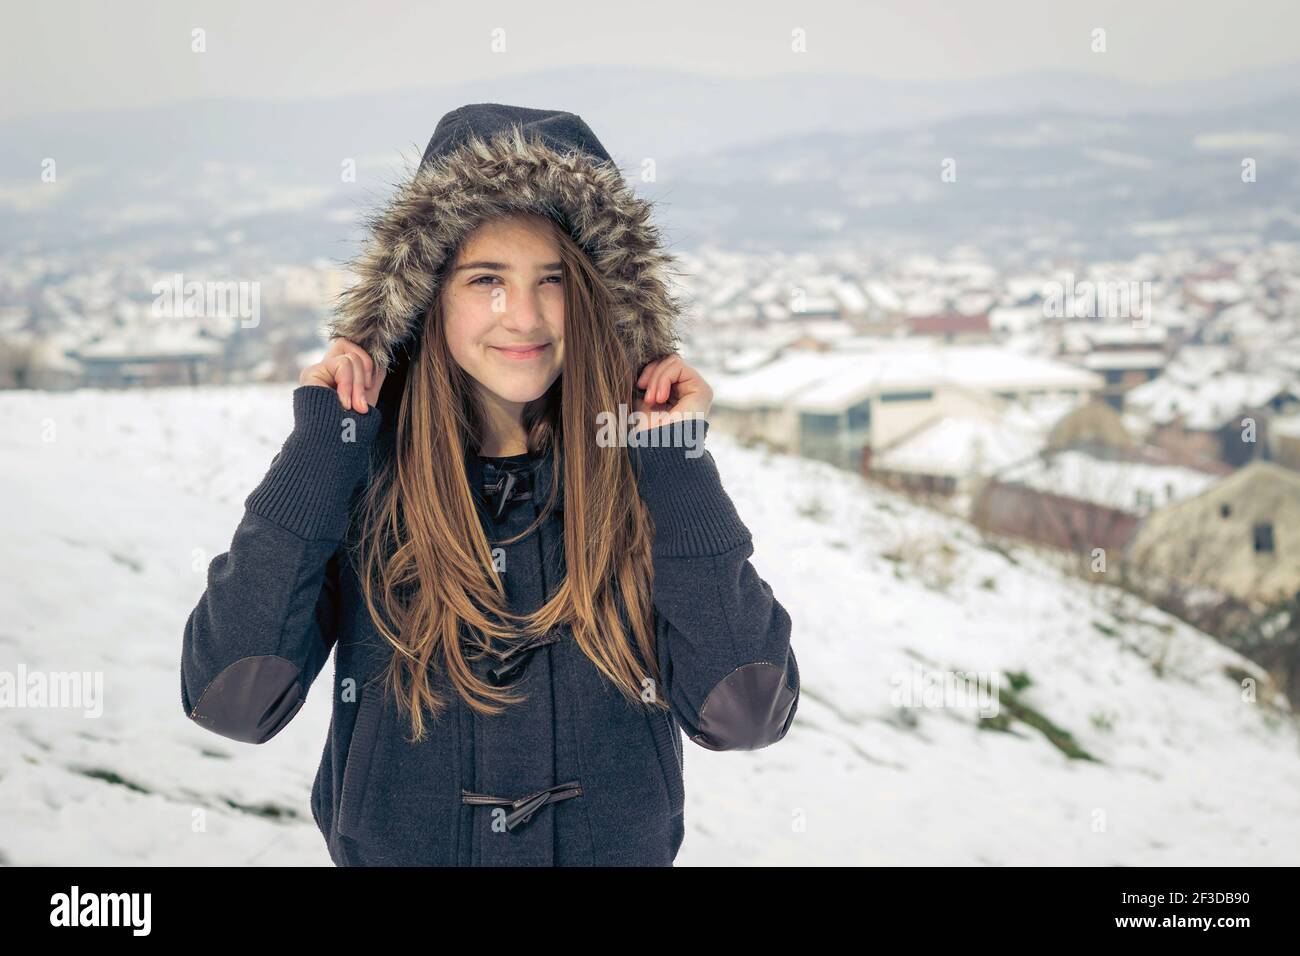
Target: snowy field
x,y
117,501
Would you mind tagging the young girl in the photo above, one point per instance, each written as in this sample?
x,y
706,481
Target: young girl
x,y
496,509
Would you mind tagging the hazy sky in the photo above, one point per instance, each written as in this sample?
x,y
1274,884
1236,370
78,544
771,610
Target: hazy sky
x,y
59,55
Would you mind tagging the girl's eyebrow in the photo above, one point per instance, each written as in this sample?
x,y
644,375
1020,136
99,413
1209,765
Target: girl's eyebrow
x,y
505,266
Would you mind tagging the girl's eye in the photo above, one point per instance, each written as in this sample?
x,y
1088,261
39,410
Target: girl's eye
x,y
559,279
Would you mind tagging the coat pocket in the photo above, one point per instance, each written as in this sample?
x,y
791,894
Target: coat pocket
x,y
361,752
668,743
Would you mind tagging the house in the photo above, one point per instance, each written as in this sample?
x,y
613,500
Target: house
x,y
1084,338
150,357
1285,436
951,327
1094,424
1241,536
833,406
1076,500
1223,418
948,455
1125,355
1124,370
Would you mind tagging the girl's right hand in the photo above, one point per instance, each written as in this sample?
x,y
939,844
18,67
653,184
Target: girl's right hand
x,y
348,369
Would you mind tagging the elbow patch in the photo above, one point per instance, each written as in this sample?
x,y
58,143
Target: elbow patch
x,y
748,709
251,700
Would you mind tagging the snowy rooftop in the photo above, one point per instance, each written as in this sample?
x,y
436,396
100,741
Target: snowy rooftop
x,y
1083,336
1206,405
832,381
1135,487
1118,359
156,343
959,447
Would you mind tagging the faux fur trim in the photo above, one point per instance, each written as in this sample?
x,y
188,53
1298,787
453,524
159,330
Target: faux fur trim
x,y
453,193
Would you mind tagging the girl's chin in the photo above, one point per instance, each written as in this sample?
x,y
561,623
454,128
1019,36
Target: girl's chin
x,y
519,392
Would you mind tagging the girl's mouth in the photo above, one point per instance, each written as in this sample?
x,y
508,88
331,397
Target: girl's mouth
x,y
521,355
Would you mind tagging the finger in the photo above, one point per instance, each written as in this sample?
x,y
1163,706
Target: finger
x,y
656,389
667,376
367,363
343,379
646,374
657,369
652,383
677,374
342,346
358,383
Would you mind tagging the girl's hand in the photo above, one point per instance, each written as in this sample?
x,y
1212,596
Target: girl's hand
x,y
349,370
673,391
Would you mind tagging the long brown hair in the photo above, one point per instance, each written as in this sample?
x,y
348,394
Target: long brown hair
x,y
427,572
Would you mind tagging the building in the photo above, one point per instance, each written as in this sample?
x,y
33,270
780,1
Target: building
x,y
951,327
1076,500
1093,424
1285,436
1223,418
1240,537
1124,370
834,406
154,357
949,455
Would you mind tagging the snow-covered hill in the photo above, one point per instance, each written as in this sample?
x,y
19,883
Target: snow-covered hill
x,y
115,503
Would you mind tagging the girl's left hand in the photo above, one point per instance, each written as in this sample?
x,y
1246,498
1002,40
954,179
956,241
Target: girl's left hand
x,y
673,391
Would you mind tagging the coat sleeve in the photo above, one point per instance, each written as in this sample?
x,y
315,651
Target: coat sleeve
x,y
724,651
266,622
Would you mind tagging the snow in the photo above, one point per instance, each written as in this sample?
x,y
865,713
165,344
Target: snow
x,y
129,495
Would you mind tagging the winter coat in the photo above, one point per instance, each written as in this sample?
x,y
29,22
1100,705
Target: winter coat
x,y
576,774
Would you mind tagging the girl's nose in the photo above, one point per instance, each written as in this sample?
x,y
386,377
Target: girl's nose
x,y
523,312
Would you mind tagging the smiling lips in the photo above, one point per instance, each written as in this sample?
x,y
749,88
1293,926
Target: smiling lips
x,y
521,353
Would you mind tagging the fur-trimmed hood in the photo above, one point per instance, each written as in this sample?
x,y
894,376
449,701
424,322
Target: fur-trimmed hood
x,y
484,160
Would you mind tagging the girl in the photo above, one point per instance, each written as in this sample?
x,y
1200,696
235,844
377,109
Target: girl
x,y
526,604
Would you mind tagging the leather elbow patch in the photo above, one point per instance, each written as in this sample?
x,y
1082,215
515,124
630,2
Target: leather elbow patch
x,y
748,709
251,700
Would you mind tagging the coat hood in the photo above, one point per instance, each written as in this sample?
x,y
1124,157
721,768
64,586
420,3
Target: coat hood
x,y
488,159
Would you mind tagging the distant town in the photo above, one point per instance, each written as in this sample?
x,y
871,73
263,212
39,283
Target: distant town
x,y
1146,411
1143,416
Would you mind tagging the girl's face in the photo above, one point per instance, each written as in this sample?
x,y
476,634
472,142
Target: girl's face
x,y
503,304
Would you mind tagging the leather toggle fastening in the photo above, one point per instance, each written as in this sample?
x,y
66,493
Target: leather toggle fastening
x,y
511,486
513,660
522,810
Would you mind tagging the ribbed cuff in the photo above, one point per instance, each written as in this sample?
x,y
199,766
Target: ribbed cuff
x,y
310,482
680,485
